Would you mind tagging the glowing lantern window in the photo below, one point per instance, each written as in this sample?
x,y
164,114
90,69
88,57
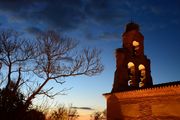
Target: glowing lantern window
x,y
130,64
141,67
135,47
141,84
129,82
131,72
135,43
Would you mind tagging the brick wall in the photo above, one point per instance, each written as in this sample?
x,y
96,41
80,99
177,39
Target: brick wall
x,y
159,103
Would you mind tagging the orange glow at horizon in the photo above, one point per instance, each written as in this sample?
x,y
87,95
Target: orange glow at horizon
x,y
84,114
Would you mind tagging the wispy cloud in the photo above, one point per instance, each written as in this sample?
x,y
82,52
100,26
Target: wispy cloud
x,y
109,36
62,13
68,15
33,30
83,108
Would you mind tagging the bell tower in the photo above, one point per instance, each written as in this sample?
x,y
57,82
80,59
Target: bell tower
x,y
132,66
133,96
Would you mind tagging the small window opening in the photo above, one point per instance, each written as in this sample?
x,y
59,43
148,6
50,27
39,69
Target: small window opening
x,y
141,84
131,72
130,65
142,76
141,67
131,68
130,83
135,47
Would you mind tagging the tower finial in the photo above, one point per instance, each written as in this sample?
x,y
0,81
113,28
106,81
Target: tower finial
x,y
132,26
132,19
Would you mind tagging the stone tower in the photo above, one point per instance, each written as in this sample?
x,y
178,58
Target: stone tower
x,y
133,96
132,66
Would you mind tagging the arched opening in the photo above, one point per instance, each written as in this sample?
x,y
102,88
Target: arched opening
x,y
135,47
129,82
131,73
130,65
141,67
142,76
141,84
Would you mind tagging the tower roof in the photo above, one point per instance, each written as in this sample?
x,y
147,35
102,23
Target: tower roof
x,y
132,26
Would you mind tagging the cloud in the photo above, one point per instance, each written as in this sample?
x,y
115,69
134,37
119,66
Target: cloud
x,y
70,15
62,13
106,12
83,108
110,36
66,14
33,30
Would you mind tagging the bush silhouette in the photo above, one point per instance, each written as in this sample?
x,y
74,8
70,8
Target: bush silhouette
x,y
12,107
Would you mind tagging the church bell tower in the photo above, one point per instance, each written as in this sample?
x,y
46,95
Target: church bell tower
x,y
132,66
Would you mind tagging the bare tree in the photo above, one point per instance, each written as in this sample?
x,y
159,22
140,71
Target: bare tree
x,y
64,113
15,53
50,57
98,115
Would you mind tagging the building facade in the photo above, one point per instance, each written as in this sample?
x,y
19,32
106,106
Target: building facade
x,y
133,96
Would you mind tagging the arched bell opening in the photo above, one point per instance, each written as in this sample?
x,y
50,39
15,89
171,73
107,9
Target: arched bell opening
x,y
142,76
131,73
135,45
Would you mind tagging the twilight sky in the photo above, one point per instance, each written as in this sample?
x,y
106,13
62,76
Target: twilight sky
x,y
100,24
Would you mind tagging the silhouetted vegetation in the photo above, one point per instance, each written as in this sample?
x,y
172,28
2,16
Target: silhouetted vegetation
x,y
98,115
64,113
12,107
28,66
10,104
34,115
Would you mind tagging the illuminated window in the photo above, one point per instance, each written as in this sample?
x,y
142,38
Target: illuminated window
x,y
131,72
131,68
142,76
141,84
135,47
141,67
135,43
129,82
130,65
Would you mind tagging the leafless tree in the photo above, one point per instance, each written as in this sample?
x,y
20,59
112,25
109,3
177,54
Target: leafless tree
x,y
64,113
98,115
15,53
49,57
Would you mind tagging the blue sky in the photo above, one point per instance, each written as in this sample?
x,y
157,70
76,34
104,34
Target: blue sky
x,y
100,24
